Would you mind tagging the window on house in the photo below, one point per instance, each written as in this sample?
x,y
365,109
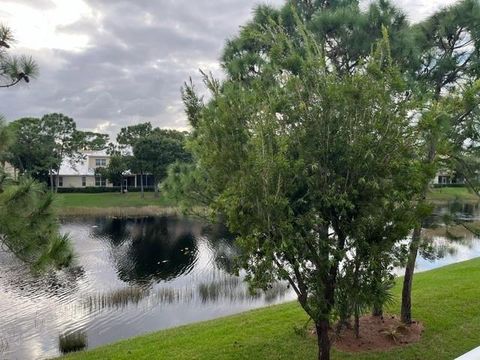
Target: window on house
x,y
100,162
84,181
443,179
99,181
60,181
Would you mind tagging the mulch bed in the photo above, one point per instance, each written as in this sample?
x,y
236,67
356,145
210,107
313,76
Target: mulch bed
x,y
378,334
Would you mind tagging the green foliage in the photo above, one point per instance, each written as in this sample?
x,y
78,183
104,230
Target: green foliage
x,y
115,169
42,144
14,69
29,228
88,140
158,150
32,153
128,136
311,166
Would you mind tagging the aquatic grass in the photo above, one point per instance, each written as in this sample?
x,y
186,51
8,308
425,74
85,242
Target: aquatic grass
x,y
276,291
174,296
117,298
3,345
233,288
224,288
72,342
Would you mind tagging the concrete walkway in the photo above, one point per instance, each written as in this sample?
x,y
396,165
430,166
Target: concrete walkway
x,y
472,355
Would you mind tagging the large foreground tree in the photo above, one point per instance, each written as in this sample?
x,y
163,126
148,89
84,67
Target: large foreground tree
x,y
304,162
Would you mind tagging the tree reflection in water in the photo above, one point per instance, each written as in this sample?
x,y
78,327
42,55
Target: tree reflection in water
x,y
147,250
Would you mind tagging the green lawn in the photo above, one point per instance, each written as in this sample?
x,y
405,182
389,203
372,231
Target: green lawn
x,y
109,200
452,193
446,300
117,200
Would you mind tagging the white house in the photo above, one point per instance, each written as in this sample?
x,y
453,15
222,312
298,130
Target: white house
x,y
448,177
82,173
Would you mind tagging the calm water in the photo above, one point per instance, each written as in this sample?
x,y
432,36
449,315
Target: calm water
x,y
134,276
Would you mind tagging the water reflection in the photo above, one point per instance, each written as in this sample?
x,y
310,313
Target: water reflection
x,y
132,276
450,235
140,275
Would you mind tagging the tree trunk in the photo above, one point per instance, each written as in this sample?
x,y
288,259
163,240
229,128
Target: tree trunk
x,y
57,180
357,323
406,311
323,339
156,193
377,308
377,311
141,184
52,186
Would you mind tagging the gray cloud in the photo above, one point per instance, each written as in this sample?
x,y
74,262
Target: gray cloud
x,y
140,53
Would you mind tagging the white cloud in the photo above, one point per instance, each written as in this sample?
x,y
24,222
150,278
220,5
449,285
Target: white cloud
x,y
39,28
111,63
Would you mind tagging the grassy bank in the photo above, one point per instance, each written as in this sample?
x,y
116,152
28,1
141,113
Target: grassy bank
x,y
132,204
113,204
446,300
452,193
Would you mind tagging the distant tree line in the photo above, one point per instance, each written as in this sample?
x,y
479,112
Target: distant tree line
x,y
42,144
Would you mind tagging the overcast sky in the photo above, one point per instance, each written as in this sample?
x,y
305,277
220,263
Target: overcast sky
x,y
111,63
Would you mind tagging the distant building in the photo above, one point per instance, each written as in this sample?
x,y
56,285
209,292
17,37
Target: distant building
x,y
9,169
448,177
83,173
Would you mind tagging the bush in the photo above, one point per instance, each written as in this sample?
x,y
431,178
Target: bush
x,y
100,189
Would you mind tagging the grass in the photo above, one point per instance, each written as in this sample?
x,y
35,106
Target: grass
x,y
452,193
113,204
106,200
446,300
132,204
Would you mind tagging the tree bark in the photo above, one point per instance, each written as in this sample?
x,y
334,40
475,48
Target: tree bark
x,y
357,323
323,339
52,186
377,308
406,311
57,180
377,311
141,184
155,184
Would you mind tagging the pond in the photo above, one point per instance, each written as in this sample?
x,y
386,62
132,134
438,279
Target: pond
x,y
140,275
132,276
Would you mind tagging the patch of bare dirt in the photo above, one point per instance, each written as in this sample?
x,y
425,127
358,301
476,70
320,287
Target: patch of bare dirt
x,y
378,334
